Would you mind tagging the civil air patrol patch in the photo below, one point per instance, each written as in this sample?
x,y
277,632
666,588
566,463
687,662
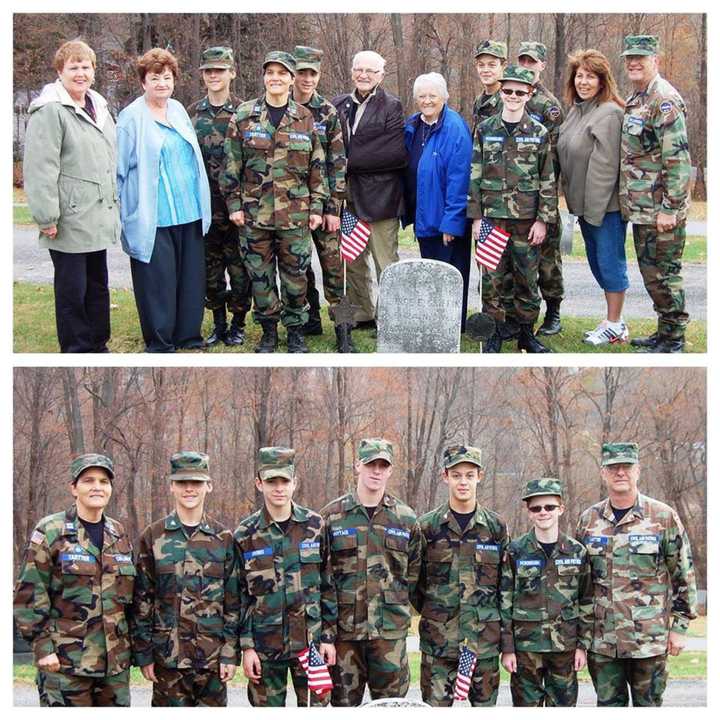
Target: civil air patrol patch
x,y
37,537
568,561
665,107
123,558
310,545
343,532
486,546
528,139
298,137
398,532
261,552
640,539
554,112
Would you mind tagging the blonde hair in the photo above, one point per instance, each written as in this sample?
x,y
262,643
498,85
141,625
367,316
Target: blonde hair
x,y
73,50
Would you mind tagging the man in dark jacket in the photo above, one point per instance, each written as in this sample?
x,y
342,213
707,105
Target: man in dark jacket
x,y
372,124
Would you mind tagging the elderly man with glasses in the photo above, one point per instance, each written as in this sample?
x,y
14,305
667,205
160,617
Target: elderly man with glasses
x,y
373,132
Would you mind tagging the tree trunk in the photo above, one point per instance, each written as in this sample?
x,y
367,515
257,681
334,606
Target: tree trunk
x,y
73,417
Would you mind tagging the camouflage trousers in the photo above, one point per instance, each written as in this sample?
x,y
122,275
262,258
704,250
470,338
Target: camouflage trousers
x,y
267,253
660,260
271,691
520,261
437,680
611,677
61,690
327,246
222,255
188,688
544,679
382,665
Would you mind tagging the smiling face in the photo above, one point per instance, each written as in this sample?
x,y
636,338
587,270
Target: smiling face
x,y
641,69
307,81
489,69
367,73
373,476
543,518
278,80
429,101
515,103
217,80
92,490
587,83
190,494
462,481
159,86
276,491
77,76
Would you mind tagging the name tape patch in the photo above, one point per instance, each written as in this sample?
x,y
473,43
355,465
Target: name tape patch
x,y
76,557
635,120
262,552
260,134
494,138
529,563
344,532
123,558
487,546
596,540
319,127
300,137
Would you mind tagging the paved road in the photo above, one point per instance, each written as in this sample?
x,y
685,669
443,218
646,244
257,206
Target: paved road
x,y
584,298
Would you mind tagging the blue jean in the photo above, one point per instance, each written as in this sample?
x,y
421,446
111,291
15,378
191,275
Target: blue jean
x,y
605,249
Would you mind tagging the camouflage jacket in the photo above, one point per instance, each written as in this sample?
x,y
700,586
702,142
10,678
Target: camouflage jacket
x,y
210,127
74,601
458,591
186,607
484,107
654,158
636,566
276,176
285,586
329,130
544,107
546,602
375,566
512,174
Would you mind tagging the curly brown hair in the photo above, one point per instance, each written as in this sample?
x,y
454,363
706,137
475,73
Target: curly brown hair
x,y
73,50
595,62
155,61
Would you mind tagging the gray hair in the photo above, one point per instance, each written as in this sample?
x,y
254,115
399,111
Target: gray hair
x,y
379,59
436,80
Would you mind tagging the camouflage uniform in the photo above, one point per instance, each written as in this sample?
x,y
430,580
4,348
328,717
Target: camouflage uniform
x,y
654,178
276,176
458,597
375,565
73,600
186,607
546,609
637,564
485,106
221,242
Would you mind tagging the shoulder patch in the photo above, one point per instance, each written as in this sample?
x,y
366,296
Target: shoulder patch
x,y
554,112
665,107
37,537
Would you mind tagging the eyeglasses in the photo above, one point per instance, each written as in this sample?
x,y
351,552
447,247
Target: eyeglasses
x,y
365,71
547,508
512,91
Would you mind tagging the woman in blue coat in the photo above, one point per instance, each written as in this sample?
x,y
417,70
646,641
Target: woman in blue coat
x,y
436,182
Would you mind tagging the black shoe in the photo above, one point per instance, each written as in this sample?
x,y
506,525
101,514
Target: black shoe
x,y
219,329
645,342
493,344
313,326
236,333
551,322
509,329
529,343
269,340
343,339
666,345
295,340
366,325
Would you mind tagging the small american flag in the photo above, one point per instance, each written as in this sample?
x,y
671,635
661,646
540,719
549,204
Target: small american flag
x,y
354,234
466,667
318,675
490,245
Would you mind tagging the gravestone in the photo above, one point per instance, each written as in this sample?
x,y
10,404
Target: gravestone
x,y
419,307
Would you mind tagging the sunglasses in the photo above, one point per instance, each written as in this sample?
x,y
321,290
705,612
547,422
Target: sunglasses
x,y
512,91
546,508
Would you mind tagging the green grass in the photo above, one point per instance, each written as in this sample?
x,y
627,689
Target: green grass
x,y
695,249
34,328
21,216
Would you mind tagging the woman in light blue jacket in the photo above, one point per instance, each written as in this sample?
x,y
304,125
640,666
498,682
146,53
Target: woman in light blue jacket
x,y
164,208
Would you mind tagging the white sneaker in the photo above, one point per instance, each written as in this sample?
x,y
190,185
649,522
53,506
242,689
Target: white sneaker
x,y
599,327
612,333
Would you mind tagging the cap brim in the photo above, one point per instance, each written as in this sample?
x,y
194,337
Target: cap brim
x,y
190,476
467,460
638,52
378,456
530,55
280,62
538,494
267,474
492,54
215,66
307,66
87,467
620,461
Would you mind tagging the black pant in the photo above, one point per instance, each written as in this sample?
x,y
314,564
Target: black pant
x,y
170,289
82,301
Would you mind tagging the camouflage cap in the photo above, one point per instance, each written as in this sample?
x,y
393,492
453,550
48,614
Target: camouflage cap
x,y
496,48
283,58
83,462
189,465
543,486
375,449
616,453
535,50
641,45
276,462
307,58
456,454
217,57
515,73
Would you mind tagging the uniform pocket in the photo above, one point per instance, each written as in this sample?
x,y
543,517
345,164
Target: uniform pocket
x,y
644,560
260,571
438,561
310,560
346,610
213,581
344,555
396,610
487,562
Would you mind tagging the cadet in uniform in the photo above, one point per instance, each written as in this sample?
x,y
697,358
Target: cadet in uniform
x,y
275,188
643,584
326,237
186,607
655,188
210,117
546,605
375,552
490,62
73,595
458,592
286,591
512,183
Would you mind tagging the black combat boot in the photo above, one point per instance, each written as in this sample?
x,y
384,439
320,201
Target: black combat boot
x,y
236,333
295,340
551,322
528,342
269,340
343,338
493,344
666,345
314,325
220,328
645,342
509,329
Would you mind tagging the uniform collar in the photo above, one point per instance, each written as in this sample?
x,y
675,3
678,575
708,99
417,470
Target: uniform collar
x,y
297,513
352,501
316,100
229,105
524,125
636,511
562,545
173,522
448,518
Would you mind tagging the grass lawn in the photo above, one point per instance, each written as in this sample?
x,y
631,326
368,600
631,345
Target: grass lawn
x,y
34,327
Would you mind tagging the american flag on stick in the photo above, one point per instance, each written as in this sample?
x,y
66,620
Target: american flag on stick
x,y
466,667
318,675
354,235
490,245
